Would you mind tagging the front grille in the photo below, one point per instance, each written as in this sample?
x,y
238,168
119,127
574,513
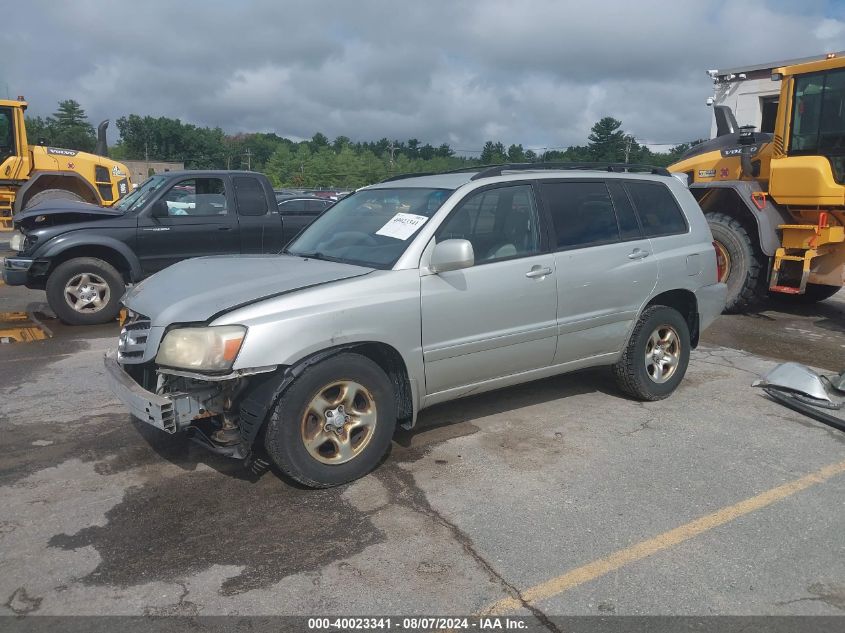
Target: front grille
x,y
133,339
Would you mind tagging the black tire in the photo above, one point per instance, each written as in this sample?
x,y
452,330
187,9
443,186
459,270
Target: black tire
x,y
813,293
747,276
52,194
631,372
283,435
67,271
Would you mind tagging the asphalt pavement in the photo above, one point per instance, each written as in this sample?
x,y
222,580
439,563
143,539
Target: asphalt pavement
x,y
560,497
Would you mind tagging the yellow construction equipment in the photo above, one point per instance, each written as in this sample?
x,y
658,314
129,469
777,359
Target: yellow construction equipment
x,y
776,202
31,174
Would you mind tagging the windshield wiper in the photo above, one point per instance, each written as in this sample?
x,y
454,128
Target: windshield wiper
x,y
314,255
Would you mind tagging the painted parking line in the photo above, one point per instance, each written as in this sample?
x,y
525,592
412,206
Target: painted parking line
x,y
644,549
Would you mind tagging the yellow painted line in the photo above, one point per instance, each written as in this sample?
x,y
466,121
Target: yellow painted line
x,y
644,549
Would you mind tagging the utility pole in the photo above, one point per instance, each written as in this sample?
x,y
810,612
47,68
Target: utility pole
x,y
248,154
628,141
392,148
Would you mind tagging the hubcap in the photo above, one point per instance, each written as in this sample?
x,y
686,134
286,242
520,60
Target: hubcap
x,y
87,293
339,422
662,353
723,261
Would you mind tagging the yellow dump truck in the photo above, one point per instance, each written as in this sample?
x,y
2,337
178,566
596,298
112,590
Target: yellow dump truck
x,y
30,174
776,202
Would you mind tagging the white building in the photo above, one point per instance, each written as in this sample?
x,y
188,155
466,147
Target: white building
x,y
750,92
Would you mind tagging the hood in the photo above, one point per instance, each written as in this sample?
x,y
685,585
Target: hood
x,y
61,211
197,289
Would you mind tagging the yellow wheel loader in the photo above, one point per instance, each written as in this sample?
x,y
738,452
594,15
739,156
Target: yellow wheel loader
x,y
31,174
776,202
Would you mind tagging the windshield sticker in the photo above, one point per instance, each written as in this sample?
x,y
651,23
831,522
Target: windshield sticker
x,y
402,226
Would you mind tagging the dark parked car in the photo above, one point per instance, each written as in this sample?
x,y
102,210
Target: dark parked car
x,y
299,211
84,255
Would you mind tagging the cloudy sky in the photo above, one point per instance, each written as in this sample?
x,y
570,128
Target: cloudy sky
x,y
520,71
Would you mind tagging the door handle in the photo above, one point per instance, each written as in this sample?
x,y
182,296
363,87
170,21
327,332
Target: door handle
x,y
638,253
538,272
224,228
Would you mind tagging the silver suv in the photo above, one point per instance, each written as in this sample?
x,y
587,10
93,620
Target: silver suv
x,y
415,291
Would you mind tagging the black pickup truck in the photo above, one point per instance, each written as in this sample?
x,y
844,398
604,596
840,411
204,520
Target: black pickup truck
x,y
84,255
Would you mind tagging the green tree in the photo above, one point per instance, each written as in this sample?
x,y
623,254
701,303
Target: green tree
x,y
493,153
607,141
516,154
70,113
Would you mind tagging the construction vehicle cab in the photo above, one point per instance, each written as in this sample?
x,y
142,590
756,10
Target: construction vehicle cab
x,y
30,174
776,202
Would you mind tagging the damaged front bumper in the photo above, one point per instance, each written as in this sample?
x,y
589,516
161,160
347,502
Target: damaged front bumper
x,y
800,388
173,411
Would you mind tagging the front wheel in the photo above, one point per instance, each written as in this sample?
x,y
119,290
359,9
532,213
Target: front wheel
x,y
52,194
742,265
656,357
85,291
334,423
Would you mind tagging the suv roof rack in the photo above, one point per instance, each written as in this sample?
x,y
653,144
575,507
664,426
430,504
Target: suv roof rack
x,y
496,170
437,173
486,171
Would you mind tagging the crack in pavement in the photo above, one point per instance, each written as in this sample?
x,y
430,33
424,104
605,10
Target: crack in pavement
x,y
404,491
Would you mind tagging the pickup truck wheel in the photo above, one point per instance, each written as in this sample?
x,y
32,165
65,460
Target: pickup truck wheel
x,y
52,194
656,357
334,423
744,265
85,291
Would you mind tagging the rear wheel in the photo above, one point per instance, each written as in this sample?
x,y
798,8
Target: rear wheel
x,y
52,194
334,423
656,357
85,291
741,263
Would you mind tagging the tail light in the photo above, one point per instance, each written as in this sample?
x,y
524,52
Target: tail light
x,y
721,264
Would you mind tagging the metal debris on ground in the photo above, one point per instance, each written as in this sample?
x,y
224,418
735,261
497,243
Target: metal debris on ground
x,y
801,389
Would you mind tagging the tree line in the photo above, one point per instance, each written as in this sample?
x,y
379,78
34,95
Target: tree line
x,y
319,161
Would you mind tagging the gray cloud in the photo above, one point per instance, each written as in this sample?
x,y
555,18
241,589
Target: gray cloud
x,y
536,72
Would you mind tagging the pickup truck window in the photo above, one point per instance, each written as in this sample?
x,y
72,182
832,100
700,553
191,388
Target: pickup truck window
x,y
250,196
196,197
138,198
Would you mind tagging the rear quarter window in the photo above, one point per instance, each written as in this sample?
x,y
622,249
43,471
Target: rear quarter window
x,y
657,208
250,196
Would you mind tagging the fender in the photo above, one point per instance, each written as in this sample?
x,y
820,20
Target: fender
x,y
21,193
61,243
767,219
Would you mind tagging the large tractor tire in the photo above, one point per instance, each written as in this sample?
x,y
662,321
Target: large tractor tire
x,y
52,194
743,264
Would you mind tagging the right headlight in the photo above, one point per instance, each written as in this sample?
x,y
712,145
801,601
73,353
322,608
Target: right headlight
x,y
201,348
17,242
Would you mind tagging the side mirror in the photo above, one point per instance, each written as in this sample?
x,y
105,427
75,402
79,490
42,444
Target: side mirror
x,y
452,255
159,209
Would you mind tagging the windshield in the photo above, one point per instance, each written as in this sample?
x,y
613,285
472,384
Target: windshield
x,y
818,120
141,195
372,227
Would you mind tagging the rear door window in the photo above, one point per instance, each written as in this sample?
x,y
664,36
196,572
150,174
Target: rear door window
x,y
582,214
250,196
315,207
657,208
629,226
292,207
